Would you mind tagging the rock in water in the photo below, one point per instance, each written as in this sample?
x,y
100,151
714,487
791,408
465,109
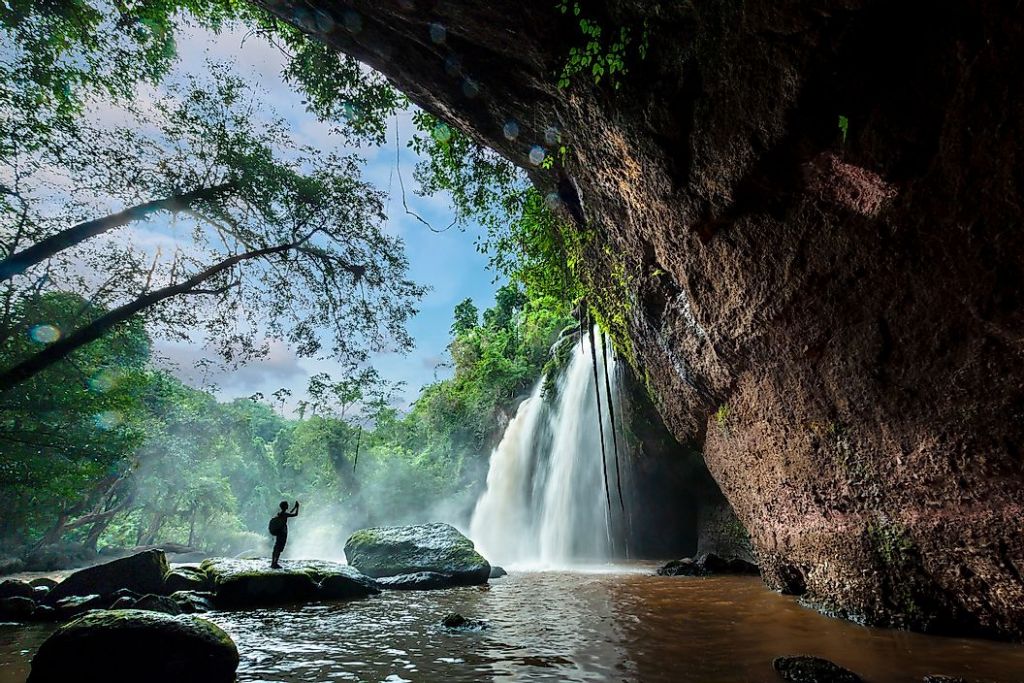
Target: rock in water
x,y
12,588
438,548
157,603
142,573
804,669
191,602
683,567
186,578
244,583
454,620
127,646
497,572
420,581
16,608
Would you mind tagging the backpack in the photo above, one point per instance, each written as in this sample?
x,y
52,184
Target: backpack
x,y
277,525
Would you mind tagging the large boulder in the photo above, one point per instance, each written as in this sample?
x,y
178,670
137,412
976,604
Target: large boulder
x,y
438,548
247,583
127,646
142,573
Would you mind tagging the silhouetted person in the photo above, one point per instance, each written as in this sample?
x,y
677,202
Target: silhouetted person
x,y
279,530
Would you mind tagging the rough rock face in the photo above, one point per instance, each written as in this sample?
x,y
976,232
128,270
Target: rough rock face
x,y
435,549
835,315
142,573
124,646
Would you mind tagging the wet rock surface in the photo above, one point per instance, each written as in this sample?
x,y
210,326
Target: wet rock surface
x,y
707,564
435,548
125,646
455,621
804,669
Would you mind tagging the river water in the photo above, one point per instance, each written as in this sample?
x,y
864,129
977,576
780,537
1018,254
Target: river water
x,y
618,624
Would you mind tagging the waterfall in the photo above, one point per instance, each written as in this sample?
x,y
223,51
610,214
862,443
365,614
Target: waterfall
x,y
545,504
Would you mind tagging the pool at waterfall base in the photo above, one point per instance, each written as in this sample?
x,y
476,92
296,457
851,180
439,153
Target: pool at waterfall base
x,y
613,623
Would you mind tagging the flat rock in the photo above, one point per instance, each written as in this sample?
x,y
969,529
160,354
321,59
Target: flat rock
x,y
439,548
805,669
143,573
73,605
240,583
497,572
127,646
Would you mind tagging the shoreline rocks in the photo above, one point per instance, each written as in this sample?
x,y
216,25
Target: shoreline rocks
x,y
708,564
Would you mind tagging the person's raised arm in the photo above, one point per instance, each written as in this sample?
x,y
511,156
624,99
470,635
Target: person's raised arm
x,y
295,510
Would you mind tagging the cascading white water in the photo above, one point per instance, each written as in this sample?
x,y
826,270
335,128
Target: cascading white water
x,y
545,502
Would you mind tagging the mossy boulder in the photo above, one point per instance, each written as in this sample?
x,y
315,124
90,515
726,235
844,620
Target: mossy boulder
x,y
438,548
142,573
186,578
246,583
126,646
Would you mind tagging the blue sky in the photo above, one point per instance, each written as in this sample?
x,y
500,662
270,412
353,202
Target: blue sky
x,y
448,262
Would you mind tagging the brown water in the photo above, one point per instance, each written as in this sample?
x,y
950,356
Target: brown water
x,y
618,625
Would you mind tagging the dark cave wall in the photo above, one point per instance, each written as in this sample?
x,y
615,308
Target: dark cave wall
x,y
838,324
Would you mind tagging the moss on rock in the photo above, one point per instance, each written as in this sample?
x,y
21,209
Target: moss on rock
x,y
134,646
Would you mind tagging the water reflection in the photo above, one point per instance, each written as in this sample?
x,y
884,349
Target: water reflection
x,y
570,626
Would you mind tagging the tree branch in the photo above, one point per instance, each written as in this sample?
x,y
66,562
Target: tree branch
x,y
18,263
60,349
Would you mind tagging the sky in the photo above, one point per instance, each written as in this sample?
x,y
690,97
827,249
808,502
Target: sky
x,y
448,262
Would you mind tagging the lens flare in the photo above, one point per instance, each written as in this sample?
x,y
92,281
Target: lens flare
x,y
442,133
109,419
551,135
438,33
44,334
537,155
104,380
511,130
